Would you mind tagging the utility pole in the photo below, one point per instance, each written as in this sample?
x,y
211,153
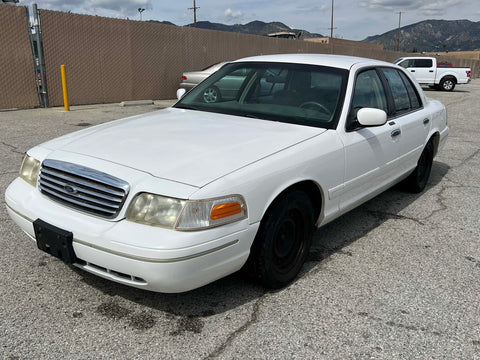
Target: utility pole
x,y
331,25
331,32
194,8
398,33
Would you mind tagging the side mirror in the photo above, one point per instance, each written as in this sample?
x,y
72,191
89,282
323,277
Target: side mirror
x,y
180,93
371,117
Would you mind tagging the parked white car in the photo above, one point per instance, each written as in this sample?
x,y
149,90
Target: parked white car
x,y
174,199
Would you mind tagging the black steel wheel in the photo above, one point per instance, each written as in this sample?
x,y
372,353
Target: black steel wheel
x,y
418,179
283,240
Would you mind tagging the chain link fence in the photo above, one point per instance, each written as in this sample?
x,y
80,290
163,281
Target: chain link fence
x,y
112,60
17,81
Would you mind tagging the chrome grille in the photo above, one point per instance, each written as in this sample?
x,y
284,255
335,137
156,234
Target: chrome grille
x,y
83,188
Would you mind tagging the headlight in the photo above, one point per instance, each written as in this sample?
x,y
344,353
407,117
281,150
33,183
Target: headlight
x,y
186,215
154,210
29,170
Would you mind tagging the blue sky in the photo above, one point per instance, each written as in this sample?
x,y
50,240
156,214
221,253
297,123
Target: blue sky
x,y
354,20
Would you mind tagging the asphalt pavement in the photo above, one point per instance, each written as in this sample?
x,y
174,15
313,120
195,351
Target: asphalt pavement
x,y
397,278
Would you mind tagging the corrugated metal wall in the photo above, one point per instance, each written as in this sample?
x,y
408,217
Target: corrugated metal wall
x,y
17,86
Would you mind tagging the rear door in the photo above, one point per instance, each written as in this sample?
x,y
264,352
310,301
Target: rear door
x,y
410,115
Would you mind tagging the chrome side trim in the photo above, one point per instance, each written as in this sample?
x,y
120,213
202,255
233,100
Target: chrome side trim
x,y
152,260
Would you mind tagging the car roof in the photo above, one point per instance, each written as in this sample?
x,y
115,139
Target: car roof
x,y
337,61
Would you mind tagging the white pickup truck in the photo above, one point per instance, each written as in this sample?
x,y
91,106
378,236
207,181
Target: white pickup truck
x,y
426,72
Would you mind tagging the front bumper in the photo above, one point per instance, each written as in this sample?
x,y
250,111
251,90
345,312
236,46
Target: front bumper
x,y
142,256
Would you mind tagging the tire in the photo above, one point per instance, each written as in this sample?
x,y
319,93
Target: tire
x,y
283,241
418,179
447,84
212,95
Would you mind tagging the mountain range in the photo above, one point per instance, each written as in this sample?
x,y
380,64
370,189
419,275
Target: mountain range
x,y
254,28
427,35
431,36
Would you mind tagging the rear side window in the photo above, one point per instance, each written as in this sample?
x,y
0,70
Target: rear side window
x,y
415,101
405,97
399,91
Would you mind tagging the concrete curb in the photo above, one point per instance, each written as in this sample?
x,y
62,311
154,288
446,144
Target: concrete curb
x,y
136,102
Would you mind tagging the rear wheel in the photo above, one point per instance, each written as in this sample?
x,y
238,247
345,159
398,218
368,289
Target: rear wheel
x,y
418,179
283,241
447,84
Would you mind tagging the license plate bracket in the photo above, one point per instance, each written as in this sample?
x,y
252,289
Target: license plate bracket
x,y
54,241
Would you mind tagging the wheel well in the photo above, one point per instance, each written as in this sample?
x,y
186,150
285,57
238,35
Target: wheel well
x,y
435,139
311,189
449,77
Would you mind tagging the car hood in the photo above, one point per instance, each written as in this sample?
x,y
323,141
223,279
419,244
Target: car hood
x,y
185,146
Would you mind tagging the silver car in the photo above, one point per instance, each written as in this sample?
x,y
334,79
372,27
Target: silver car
x,y
191,79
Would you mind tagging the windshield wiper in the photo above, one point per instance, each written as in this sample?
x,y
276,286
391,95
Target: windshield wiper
x,y
186,107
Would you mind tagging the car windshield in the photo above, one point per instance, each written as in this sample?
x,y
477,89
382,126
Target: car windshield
x,y
292,93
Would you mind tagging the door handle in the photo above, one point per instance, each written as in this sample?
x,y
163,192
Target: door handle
x,y
426,121
430,70
395,132
412,70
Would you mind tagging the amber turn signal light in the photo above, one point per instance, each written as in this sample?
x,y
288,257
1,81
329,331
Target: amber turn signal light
x,y
225,210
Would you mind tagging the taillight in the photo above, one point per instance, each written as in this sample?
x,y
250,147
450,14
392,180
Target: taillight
x,y
185,78
469,73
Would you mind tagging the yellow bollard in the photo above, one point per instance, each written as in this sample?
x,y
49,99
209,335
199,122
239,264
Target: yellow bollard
x,y
66,103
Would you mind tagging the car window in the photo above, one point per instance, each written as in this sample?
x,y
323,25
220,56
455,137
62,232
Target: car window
x,y
399,91
405,63
369,92
295,93
405,97
415,101
423,63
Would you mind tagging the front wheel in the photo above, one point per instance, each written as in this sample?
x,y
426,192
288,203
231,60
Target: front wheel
x,y
283,241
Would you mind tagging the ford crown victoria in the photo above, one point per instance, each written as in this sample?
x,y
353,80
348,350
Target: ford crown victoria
x,y
174,199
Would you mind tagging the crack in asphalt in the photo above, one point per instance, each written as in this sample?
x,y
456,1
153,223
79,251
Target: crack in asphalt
x,y
399,325
13,148
469,158
440,198
381,216
253,319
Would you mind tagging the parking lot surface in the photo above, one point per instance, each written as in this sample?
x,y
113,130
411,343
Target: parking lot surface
x,y
397,278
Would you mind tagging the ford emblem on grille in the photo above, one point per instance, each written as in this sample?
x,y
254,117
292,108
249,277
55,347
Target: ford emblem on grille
x,y
70,189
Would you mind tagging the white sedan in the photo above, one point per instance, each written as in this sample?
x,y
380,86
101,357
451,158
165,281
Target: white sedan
x,y
175,199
